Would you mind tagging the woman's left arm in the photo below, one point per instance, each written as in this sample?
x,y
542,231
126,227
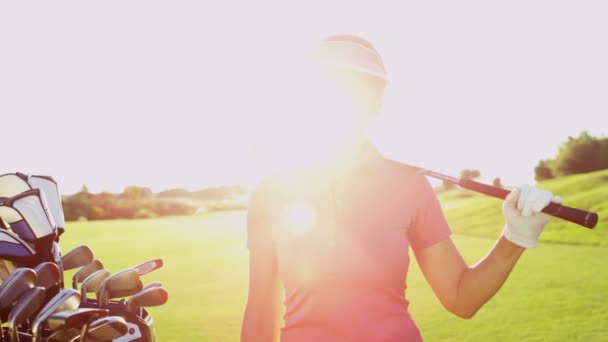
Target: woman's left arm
x,y
463,290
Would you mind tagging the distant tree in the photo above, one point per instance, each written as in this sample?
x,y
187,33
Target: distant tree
x,y
497,182
470,174
584,153
173,193
447,186
543,171
136,193
581,154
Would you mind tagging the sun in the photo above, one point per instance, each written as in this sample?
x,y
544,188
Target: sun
x,y
298,218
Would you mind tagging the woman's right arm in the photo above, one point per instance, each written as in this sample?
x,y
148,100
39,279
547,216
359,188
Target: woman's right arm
x,y
262,319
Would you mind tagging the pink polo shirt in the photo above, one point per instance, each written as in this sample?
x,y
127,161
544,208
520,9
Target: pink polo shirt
x,y
342,247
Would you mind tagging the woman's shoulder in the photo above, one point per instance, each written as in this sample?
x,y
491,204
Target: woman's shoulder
x,y
405,172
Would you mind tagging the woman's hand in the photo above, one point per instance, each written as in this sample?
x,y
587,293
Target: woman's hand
x,y
522,212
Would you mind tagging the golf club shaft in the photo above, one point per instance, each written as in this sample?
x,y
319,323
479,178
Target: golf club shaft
x,y
583,218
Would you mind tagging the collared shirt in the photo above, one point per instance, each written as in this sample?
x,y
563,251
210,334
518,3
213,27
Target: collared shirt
x,y
341,242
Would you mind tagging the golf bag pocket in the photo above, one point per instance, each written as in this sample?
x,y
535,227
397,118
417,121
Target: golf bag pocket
x,y
28,216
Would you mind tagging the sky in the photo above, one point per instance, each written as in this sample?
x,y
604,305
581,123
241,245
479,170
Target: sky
x,y
179,93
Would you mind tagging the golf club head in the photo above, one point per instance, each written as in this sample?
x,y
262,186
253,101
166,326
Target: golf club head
x,y
148,266
29,217
77,257
17,283
66,299
153,296
49,187
92,283
106,329
83,272
26,306
152,284
64,335
13,248
75,319
120,284
47,274
12,184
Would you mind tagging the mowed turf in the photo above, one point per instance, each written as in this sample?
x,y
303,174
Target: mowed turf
x,y
557,292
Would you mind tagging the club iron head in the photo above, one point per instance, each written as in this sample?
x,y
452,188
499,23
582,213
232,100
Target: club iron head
x,y
152,284
120,284
64,335
77,257
66,299
153,296
106,329
92,283
80,275
25,307
17,283
75,319
47,274
148,266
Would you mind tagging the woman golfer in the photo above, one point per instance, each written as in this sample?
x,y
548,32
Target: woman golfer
x,y
337,235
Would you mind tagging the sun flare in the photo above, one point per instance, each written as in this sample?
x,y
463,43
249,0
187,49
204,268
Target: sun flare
x,y
298,218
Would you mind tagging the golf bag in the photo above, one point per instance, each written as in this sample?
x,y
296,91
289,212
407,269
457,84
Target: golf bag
x,y
31,222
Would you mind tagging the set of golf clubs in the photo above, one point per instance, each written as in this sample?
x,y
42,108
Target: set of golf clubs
x,y
35,303
70,315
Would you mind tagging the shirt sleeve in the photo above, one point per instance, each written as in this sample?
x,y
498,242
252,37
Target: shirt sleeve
x,y
259,218
429,225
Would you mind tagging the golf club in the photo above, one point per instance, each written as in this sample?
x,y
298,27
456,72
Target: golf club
x,y
74,319
51,192
77,257
105,329
152,285
153,296
14,286
148,266
583,218
47,275
120,284
56,255
28,217
64,335
13,248
26,306
66,299
92,283
85,271
12,184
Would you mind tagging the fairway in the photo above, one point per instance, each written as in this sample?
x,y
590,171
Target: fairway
x,y
557,293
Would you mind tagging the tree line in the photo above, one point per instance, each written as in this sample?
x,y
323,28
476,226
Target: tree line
x,y
581,154
142,202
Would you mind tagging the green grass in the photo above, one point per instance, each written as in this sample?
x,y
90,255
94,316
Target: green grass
x,y
556,293
478,215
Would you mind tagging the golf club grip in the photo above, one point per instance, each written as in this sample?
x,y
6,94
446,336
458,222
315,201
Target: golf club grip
x,y
583,218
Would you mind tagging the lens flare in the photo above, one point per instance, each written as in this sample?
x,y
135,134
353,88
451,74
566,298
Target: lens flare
x,y
298,218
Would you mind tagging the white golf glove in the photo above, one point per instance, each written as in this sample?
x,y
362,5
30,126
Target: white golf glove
x,y
521,210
